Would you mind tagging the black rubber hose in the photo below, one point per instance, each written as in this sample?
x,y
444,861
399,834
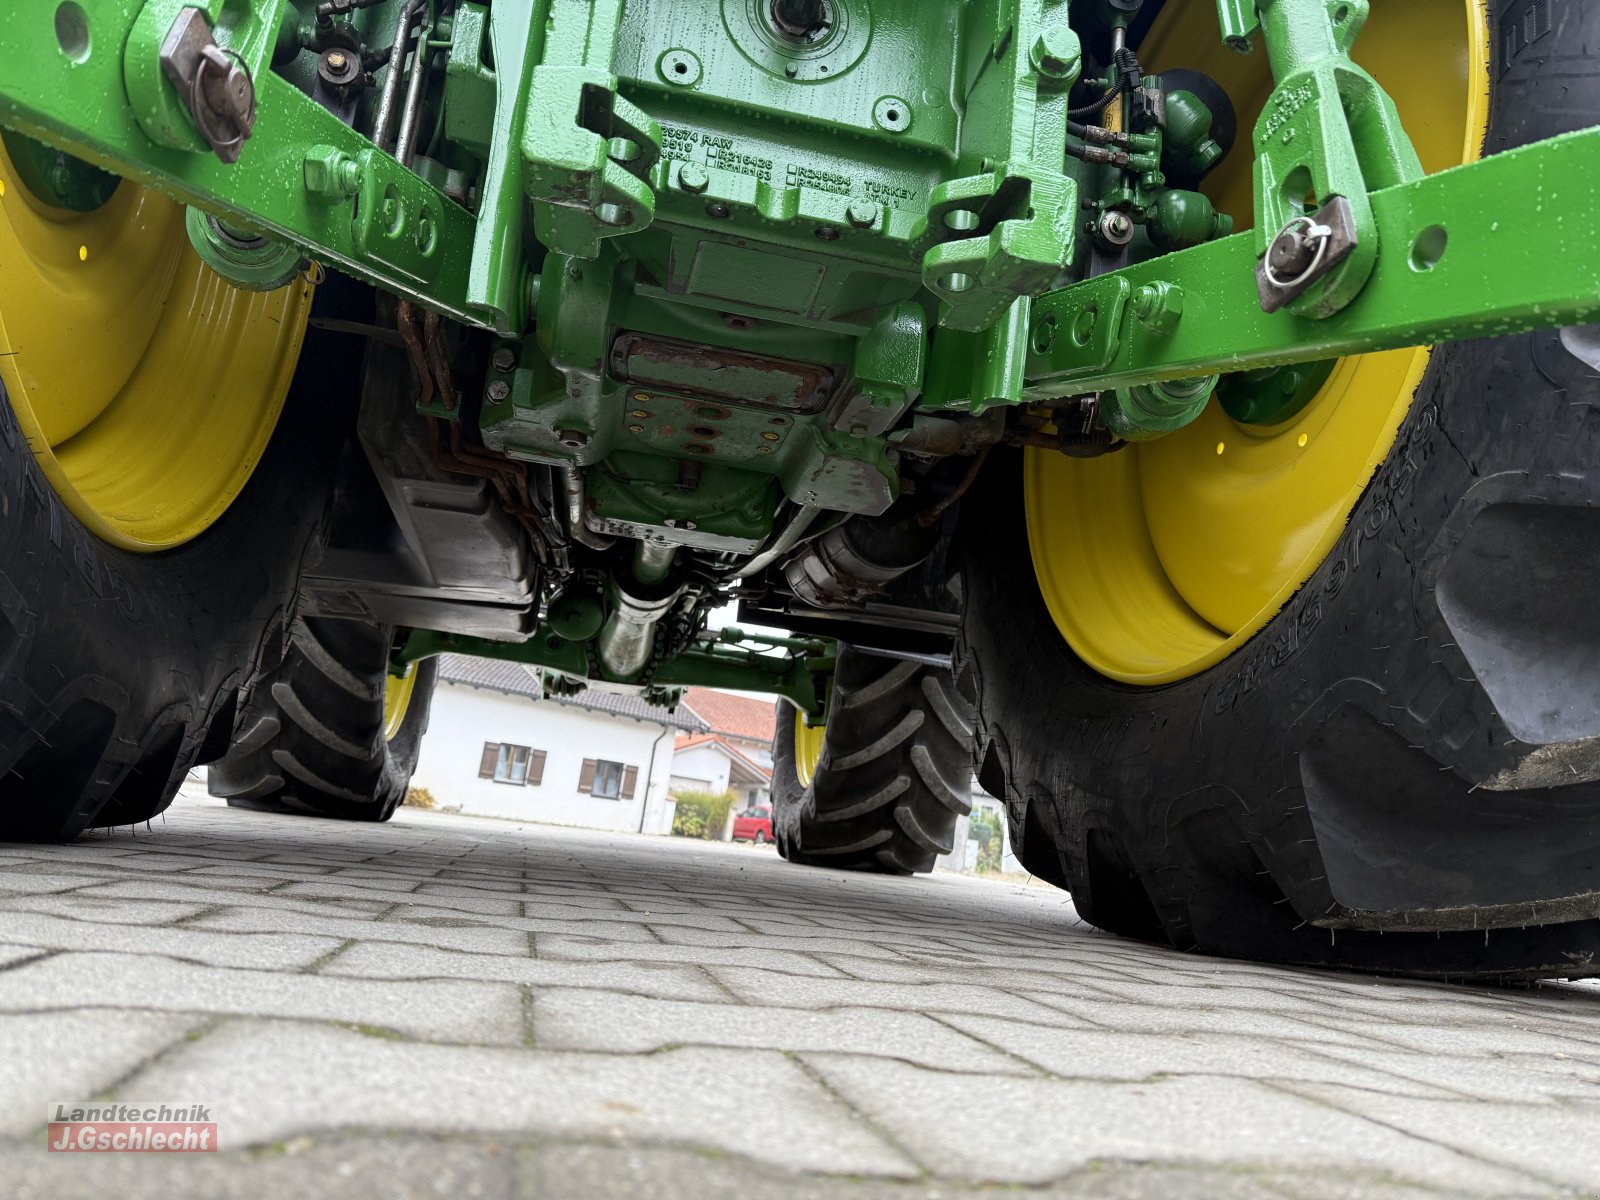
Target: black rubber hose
x,y
1129,76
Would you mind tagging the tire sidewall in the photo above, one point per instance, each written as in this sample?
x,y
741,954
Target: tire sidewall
x,y
161,642
1509,419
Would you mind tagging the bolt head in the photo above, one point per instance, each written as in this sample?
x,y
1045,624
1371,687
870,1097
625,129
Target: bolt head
x,y
692,177
863,214
504,359
499,390
1116,227
1056,54
1159,306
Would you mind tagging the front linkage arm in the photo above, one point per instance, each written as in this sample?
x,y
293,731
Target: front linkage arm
x,y
724,660
1460,254
1353,249
105,86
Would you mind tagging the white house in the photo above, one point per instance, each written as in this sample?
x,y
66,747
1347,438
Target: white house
x,y
744,723
497,746
706,762
735,753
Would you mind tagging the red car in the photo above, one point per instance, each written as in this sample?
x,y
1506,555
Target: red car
x,y
753,825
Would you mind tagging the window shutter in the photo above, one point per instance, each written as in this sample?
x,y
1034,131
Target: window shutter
x,y
536,768
490,759
630,776
586,776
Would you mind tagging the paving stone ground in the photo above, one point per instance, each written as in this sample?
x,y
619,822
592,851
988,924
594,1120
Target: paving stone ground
x,y
465,1007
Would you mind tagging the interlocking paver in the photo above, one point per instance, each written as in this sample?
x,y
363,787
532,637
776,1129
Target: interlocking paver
x,y
398,960
485,938
778,962
334,889
924,969
1036,1130
268,951
451,1006
602,926
1152,1018
444,1010
756,986
1556,1142
805,943
1123,1055
73,1055
89,905
210,897
751,1102
588,1020
25,881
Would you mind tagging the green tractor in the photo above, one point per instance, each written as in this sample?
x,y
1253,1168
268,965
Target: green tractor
x,y
1182,413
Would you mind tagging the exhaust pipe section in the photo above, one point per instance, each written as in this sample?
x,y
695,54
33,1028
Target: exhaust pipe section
x,y
572,492
857,560
628,638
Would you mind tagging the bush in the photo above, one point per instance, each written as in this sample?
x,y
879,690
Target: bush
x,y
702,814
984,828
420,797
689,822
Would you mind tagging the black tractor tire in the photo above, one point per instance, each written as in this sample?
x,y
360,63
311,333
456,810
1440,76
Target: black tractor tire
x,y
311,740
895,772
1399,772
119,672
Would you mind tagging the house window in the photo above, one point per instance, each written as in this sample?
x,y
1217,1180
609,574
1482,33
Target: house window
x,y
504,762
512,766
608,780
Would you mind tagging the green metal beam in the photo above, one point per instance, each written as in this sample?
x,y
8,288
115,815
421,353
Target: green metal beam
x,y
303,176
1501,246
706,663
1239,23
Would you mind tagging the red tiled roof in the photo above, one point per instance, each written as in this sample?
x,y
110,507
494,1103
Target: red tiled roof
x,y
735,716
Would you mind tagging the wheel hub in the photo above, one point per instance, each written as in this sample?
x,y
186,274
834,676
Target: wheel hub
x,y
1158,562
147,386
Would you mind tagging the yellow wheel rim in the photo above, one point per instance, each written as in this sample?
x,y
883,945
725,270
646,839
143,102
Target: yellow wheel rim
x,y
397,690
146,386
1160,560
807,748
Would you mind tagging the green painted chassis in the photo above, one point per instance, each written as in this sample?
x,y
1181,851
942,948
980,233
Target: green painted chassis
x,y
928,259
